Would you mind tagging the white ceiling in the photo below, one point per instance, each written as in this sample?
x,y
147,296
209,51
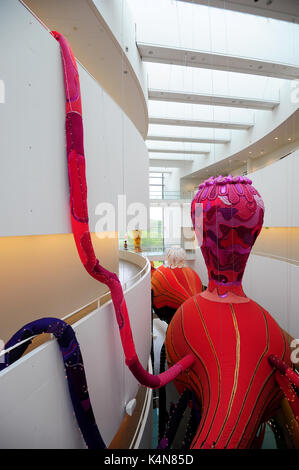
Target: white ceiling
x,y
211,70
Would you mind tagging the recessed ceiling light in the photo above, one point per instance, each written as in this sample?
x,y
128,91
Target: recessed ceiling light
x,y
290,138
250,153
275,138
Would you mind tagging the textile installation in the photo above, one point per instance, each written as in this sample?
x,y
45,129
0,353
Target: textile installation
x,y
224,350
74,368
80,227
218,349
173,286
230,335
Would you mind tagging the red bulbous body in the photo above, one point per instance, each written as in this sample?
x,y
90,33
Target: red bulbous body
x,y
172,286
231,376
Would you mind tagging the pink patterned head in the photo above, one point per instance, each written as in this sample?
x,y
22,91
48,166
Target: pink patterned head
x,y
227,215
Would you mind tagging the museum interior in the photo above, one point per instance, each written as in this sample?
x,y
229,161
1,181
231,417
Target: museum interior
x,y
150,224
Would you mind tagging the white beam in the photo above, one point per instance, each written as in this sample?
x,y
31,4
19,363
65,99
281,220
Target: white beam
x,y
178,163
169,138
215,61
159,171
185,152
286,10
198,123
213,100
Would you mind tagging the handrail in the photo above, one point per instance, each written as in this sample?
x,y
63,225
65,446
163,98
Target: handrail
x,y
136,277
4,351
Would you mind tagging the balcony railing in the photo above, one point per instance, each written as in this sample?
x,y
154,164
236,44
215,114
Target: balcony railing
x,y
171,195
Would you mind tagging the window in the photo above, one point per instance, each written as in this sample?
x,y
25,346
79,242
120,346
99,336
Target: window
x,y
156,185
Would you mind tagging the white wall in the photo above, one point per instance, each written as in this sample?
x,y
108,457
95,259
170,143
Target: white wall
x,y
102,36
34,189
274,285
278,186
118,17
172,180
198,264
35,407
49,279
273,282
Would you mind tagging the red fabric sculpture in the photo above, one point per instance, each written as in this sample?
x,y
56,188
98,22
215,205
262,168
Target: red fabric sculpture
x,y
219,341
172,286
80,227
230,335
288,380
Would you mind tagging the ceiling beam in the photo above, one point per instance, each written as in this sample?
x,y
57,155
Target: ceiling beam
x,y
286,10
169,163
200,123
212,100
185,152
215,61
169,138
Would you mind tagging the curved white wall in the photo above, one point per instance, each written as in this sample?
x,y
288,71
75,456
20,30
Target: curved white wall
x,y
102,36
118,17
39,413
278,186
274,285
34,190
274,282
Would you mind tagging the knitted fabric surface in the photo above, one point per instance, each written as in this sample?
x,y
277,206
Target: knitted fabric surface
x,y
233,381
74,368
227,215
172,286
231,376
80,221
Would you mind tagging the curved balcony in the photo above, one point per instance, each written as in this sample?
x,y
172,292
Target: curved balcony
x,y
40,415
102,37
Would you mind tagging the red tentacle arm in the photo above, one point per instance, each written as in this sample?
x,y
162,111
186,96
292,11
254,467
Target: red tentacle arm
x,y
80,226
284,369
286,377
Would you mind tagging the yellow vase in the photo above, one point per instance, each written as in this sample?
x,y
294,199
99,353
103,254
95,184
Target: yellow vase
x,y
137,240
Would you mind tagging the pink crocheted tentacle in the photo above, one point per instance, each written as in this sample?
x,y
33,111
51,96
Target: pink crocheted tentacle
x,y
80,227
158,381
284,369
285,378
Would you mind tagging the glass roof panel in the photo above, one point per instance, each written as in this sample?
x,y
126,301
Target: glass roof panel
x,y
198,80
199,112
181,146
182,131
186,25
